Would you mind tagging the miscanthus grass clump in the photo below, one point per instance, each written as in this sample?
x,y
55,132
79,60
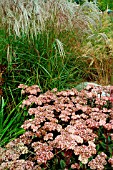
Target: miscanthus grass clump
x,y
65,130
48,36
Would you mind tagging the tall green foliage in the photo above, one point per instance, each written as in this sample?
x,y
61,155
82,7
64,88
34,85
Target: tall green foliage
x,y
104,3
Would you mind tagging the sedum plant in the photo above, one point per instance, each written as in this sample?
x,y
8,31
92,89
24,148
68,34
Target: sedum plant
x,y
65,130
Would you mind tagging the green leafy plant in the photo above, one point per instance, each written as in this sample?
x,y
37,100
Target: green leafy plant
x,y
9,123
104,4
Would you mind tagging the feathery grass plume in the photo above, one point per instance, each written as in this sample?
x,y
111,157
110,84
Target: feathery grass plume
x,y
67,15
31,17
22,17
9,57
89,15
60,48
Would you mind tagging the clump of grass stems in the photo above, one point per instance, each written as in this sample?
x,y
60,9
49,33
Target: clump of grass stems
x,y
98,54
37,33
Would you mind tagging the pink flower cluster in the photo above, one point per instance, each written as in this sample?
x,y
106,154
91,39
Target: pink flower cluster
x,y
99,162
17,165
34,89
111,161
13,151
43,152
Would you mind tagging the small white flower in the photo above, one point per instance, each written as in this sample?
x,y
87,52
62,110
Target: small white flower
x,y
91,143
83,160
